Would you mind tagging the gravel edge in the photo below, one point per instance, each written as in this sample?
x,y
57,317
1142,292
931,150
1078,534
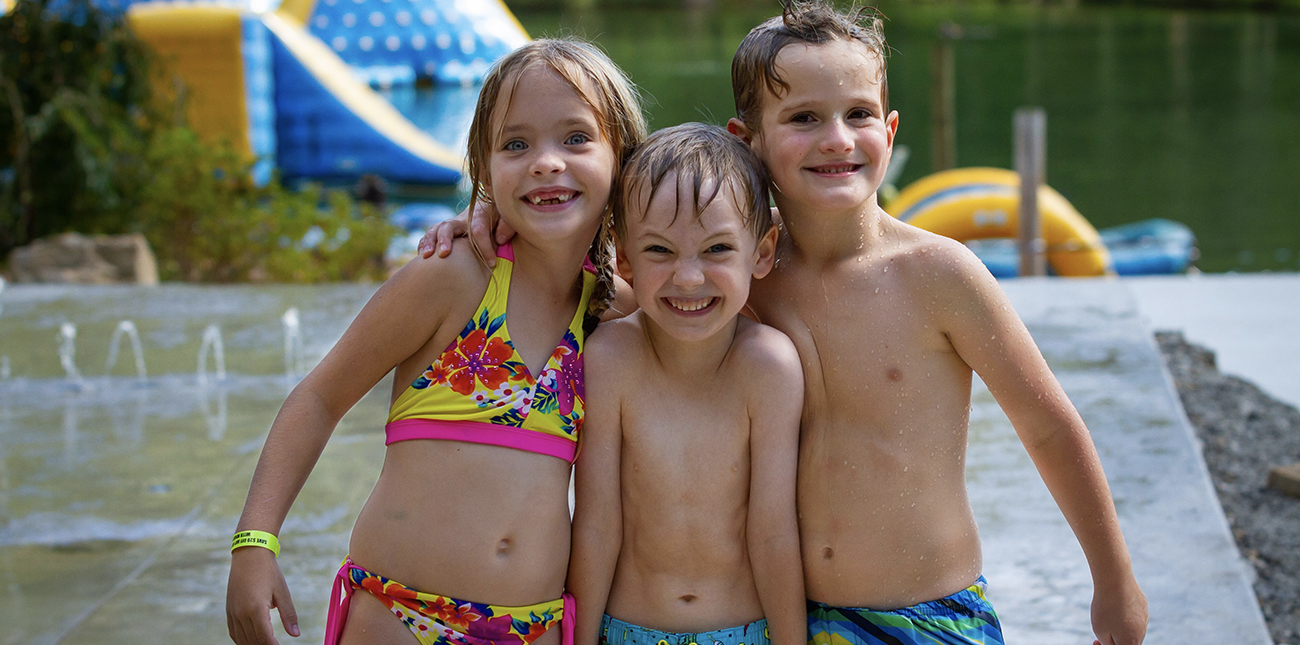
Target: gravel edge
x,y
1244,433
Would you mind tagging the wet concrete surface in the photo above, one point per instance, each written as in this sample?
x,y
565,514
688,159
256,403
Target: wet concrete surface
x,y
1249,320
118,497
1102,351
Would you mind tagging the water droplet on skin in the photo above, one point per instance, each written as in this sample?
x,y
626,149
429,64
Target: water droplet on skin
x,y
877,289
904,468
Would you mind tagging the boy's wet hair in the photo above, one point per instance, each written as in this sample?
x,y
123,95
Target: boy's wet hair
x,y
703,158
602,86
813,22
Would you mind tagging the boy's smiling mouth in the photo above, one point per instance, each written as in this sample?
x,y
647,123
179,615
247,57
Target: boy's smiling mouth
x,y
835,170
691,305
550,196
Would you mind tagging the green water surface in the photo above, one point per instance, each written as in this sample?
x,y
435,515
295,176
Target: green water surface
x,y
1190,116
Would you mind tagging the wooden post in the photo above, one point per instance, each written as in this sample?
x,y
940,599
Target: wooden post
x,y
1031,154
943,126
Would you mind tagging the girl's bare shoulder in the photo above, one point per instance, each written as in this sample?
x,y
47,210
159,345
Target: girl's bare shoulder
x,y
461,274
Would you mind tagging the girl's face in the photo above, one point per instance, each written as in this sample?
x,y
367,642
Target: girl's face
x,y
550,169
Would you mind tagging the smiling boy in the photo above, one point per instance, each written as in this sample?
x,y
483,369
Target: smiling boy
x,y
684,526
889,322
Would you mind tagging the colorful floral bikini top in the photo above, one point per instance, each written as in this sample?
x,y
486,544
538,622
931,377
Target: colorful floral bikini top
x,y
479,391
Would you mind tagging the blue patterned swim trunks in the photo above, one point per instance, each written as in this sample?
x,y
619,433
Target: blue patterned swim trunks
x,y
616,632
964,618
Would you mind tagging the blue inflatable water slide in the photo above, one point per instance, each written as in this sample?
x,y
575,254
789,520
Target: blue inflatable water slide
x,y
298,86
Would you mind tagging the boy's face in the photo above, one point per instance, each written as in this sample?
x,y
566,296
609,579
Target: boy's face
x,y
826,142
691,275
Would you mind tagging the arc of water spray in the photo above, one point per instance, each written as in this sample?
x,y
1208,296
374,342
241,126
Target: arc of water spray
x,y
211,345
128,329
68,350
292,342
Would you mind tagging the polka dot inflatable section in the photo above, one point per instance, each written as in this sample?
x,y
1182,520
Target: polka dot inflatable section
x,y
390,42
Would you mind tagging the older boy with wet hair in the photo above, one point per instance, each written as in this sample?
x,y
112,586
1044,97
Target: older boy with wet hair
x,y
890,321
684,528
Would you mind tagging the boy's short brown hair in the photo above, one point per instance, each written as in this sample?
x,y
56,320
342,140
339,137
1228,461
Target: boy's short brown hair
x,y
697,154
753,70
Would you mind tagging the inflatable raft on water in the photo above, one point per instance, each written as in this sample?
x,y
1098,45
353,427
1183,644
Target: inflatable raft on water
x,y
979,207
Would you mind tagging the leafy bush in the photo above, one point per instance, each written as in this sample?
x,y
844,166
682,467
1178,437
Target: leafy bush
x,y
86,145
207,221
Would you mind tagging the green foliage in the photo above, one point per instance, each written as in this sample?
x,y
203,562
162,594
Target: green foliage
x,y
73,94
207,221
85,145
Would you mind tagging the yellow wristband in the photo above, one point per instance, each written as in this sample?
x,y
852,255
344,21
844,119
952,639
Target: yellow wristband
x,y
256,538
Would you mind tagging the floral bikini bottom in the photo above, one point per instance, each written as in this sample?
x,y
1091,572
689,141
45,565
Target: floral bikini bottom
x,y
439,620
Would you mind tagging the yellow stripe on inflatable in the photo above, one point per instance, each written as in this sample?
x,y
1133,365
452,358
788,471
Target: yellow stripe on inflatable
x,y
201,44
336,77
978,203
299,10
506,11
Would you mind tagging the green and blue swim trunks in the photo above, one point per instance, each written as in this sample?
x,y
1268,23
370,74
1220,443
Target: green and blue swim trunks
x,y
964,618
616,632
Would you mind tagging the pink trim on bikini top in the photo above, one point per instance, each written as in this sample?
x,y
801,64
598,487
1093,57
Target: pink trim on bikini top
x,y
507,252
481,432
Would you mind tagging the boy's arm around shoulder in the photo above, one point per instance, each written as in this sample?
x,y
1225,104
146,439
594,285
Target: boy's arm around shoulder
x,y
598,503
624,301
771,365
400,318
987,334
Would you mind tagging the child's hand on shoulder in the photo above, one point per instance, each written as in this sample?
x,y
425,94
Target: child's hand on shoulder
x,y
438,239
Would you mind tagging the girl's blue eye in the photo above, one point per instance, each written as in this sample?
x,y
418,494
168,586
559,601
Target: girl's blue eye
x,y
577,139
515,145
719,248
655,248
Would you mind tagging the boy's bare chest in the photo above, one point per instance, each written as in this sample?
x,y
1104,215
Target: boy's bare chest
x,y
673,422
868,346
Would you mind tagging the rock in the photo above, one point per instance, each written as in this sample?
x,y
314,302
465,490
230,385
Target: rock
x,y
72,258
1285,479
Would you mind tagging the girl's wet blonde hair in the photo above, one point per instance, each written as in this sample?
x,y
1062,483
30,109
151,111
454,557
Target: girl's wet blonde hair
x,y
612,98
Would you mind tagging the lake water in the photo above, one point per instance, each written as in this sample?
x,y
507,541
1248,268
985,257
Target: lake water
x,y
1190,116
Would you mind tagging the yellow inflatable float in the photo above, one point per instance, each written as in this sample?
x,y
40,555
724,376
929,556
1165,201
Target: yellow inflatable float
x,y
980,203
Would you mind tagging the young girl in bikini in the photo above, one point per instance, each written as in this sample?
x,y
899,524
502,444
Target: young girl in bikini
x,y
470,512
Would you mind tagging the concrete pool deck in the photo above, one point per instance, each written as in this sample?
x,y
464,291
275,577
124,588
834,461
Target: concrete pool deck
x,y
118,499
